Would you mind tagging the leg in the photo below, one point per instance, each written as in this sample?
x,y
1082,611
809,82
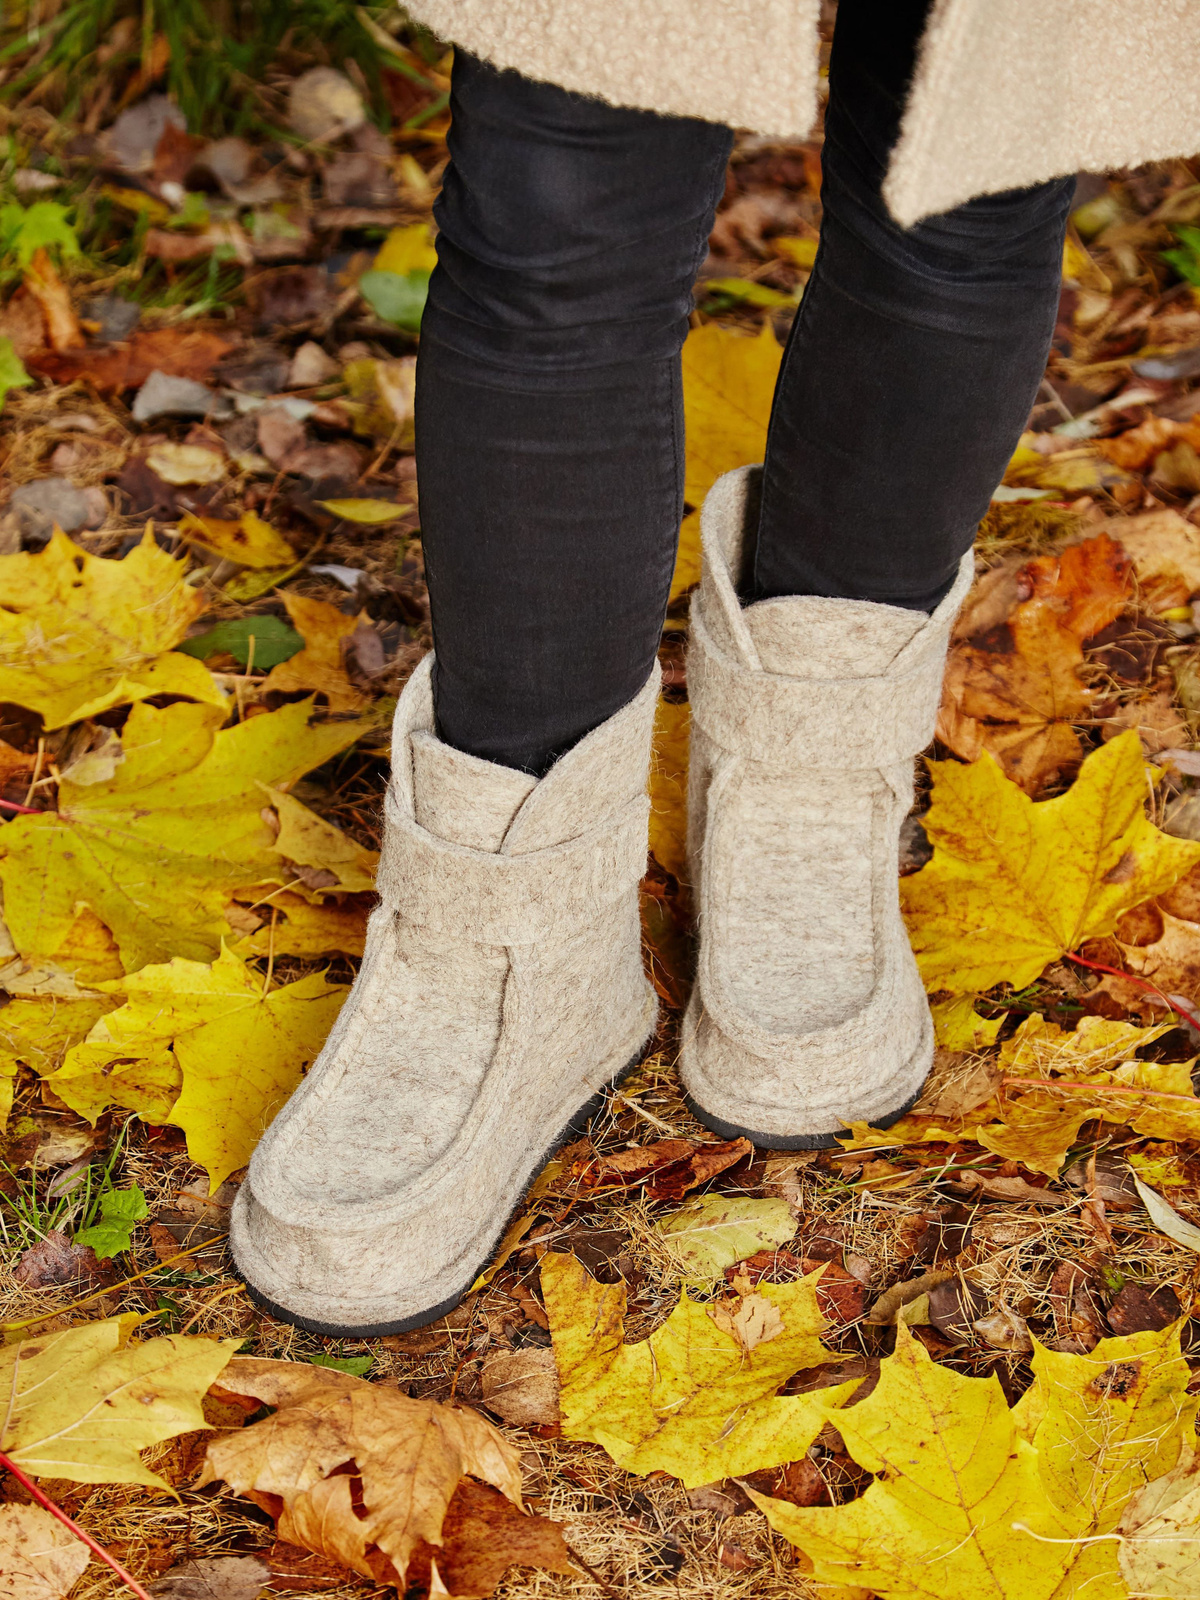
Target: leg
x,y
549,419
914,359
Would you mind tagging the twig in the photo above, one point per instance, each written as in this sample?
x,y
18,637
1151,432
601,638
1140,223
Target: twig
x,y
1139,983
655,1122
45,1501
37,770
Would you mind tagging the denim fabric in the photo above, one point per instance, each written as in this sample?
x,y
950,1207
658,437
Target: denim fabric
x,y
549,408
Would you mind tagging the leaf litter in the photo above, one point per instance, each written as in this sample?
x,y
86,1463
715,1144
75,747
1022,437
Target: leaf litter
x,y
196,676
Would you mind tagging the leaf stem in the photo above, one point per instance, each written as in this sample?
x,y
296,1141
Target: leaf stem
x,y
1096,1088
21,811
45,1501
1139,983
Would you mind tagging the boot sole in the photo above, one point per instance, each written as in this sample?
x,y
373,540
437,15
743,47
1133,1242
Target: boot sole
x,y
574,1129
793,1141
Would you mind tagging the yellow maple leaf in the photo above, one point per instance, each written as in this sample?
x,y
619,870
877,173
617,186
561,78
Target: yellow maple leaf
x,y
83,1402
1104,1424
303,929
407,249
249,541
728,387
692,1399
319,666
79,634
971,1498
958,1026
157,849
1014,884
238,1049
36,1033
307,840
668,787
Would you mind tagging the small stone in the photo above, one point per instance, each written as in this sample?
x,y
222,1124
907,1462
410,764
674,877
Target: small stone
x,y
163,395
311,366
45,503
117,318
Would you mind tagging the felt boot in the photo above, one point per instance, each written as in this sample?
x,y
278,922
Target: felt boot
x,y
501,990
807,1012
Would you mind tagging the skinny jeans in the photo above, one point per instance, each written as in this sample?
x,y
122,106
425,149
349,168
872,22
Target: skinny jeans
x,y
549,428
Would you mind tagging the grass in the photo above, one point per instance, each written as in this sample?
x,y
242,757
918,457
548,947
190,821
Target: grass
x,y
220,51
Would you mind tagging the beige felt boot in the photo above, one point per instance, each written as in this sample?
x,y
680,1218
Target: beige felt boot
x,y
808,1011
501,990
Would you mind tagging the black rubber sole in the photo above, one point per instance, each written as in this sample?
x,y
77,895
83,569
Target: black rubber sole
x,y
795,1141
574,1129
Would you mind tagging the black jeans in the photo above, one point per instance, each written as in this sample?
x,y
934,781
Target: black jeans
x,y
549,418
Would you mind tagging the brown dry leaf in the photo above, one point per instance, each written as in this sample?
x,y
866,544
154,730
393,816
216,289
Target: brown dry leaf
x,y
1172,962
1136,448
672,1166
521,1387
214,1578
483,1536
178,352
54,298
1158,724
668,787
1012,687
40,1559
407,1459
1165,550
321,664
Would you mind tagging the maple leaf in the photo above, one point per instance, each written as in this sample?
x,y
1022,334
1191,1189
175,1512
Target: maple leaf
x,y
36,1032
1158,1554
184,1023
728,388
968,1491
958,1026
40,1559
1011,686
307,840
157,849
711,1233
1014,884
79,635
303,929
693,1399
249,540
83,1402
320,665
406,1459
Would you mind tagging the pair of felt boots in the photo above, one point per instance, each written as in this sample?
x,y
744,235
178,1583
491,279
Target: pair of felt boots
x,y
502,987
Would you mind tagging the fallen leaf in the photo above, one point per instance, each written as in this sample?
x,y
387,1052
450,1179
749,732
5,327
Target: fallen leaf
x,y
973,1499
262,642
159,848
1138,1309
36,1033
958,1026
120,1212
691,1399
249,541
407,1458
187,463
315,846
1165,550
301,929
1014,884
671,1167
199,1019
668,787
886,1310
40,1559
214,1578
54,300
1004,1329
79,634
710,1234
55,1261
371,513
1165,1217
176,352
407,249
728,387
150,1390
1160,1529
12,370
320,666
521,1387
483,1536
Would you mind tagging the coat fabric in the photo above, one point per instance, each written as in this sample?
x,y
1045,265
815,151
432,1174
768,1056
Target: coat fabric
x,y
1006,93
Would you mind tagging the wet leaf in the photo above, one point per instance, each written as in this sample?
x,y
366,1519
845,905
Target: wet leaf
x,y
79,634
149,1390
692,1400
1014,884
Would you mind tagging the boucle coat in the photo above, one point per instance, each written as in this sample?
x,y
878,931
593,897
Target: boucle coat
x,y
1006,93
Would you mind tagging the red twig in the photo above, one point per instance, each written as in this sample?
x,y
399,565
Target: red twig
x,y
109,1560
1185,1012
24,811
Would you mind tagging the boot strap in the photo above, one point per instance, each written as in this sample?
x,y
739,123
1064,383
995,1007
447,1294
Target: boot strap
x,y
837,723
499,899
